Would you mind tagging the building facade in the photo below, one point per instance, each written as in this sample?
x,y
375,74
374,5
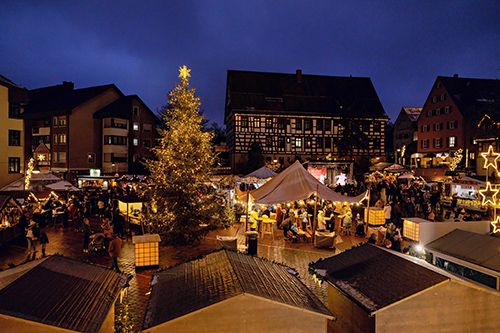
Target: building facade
x,y
295,116
405,136
449,119
12,101
72,130
487,134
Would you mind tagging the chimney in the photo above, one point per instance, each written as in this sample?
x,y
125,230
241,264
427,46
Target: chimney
x,y
298,73
455,76
68,85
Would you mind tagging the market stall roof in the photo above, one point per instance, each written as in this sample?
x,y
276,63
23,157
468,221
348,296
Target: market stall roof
x,y
62,292
62,185
262,173
469,181
5,199
482,250
407,176
222,275
395,168
379,166
295,183
18,185
375,278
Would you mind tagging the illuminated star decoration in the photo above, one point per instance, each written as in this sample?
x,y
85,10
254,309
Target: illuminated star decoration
x,y
184,72
490,158
496,225
489,195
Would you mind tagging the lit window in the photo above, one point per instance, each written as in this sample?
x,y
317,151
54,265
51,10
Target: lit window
x,y
298,142
136,126
452,141
136,142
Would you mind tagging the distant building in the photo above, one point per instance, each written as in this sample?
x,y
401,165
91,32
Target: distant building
x,y
450,117
405,136
371,289
232,292
88,128
65,295
12,101
487,134
306,117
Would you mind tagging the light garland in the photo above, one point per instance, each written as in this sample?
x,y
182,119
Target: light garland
x,y
29,172
457,157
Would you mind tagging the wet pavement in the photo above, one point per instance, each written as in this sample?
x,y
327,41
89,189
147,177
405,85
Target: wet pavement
x,y
69,242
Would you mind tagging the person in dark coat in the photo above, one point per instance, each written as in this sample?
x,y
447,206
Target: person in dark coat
x,y
44,240
86,235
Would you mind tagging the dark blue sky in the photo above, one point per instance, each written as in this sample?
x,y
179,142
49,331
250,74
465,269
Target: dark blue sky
x,y
139,45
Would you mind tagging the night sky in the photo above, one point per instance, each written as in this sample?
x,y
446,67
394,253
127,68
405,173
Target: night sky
x,y
139,45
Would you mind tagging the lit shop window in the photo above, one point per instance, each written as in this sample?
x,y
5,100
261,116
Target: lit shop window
x,y
452,141
136,126
136,142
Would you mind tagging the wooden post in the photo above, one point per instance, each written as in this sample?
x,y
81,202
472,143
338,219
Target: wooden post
x,y
367,212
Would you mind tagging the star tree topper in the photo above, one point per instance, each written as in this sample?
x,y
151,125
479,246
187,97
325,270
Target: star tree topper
x,y
490,158
489,195
185,73
496,225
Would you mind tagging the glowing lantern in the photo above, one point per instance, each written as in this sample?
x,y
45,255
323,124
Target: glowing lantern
x,y
146,250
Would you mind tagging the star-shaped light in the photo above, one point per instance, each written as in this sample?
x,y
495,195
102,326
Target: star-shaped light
x,y
41,157
496,225
184,73
490,158
489,195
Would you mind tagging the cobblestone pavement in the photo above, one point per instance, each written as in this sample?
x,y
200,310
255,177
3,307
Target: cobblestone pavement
x,y
68,242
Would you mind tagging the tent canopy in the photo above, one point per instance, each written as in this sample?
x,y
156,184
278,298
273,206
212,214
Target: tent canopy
x,y
395,168
295,183
62,186
262,173
37,179
407,176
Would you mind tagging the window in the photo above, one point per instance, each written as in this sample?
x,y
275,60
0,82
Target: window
x,y
443,97
62,138
447,109
135,142
14,110
328,125
452,141
256,122
281,123
136,111
307,143
328,143
298,142
434,99
298,124
437,143
54,137
115,123
147,127
61,121
146,143
115,140
307,124
377,126
54,121
319,124
61,156
269,141
425,143
269,123
244,122
319,142
438,112
281,142
136,126
14,138
14,164
91,157
453,124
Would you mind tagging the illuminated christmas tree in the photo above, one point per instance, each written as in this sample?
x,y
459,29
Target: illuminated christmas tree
x,y
184,207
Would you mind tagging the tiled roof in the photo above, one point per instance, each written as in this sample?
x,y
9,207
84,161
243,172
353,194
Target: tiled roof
x,y
375,278
482,250
221,275
474,97
412,112
60,99
63,292
300,93
122,108
9,82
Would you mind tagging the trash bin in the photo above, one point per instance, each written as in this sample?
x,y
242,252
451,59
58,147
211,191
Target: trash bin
x,y
252,238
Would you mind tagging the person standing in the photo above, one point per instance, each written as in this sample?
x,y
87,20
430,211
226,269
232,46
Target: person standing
x,y
44,239
31,239
86,234
387,213
115,248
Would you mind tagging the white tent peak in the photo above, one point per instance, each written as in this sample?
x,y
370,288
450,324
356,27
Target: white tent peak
x,y
262,173
295,183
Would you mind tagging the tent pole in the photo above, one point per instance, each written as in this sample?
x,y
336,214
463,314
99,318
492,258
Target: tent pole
x,y
315,213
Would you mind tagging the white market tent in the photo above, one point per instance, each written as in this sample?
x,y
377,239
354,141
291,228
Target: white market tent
x,y
37,180
395,168
295,183
262,173
62,185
